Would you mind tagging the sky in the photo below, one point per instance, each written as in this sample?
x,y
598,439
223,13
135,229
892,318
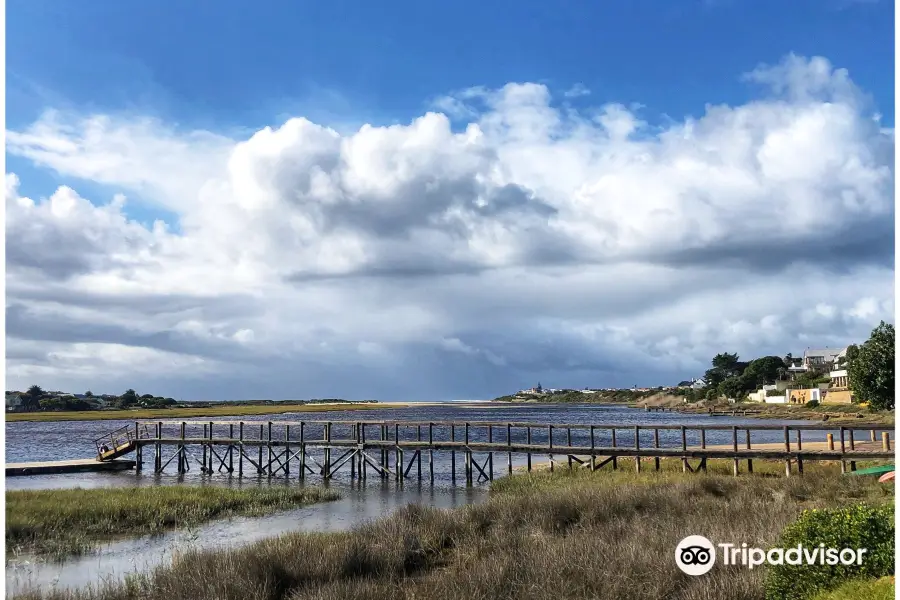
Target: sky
x,y
423,201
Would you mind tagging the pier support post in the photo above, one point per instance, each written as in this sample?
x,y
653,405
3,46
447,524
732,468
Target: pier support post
x,y
734,444
528,441
419,452
637,448
468,459
593,446
615,460
684,461
431,452
259,463
205,437
490,453
453,454
327,469
550,445
157,465
302,452
749,460
231,448
508,444
287,451
787,448
852,448
241,450
656,445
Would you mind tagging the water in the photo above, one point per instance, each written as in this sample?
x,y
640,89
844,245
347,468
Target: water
x,y
35,441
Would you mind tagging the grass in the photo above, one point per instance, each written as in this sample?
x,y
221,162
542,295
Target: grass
x,y
59,523
185,413
874,589
569,534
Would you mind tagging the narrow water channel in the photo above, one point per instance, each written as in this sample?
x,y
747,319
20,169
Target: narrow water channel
x,y
113,561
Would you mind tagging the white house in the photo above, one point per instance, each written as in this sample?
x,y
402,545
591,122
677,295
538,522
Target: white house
x,y
698,384
13,402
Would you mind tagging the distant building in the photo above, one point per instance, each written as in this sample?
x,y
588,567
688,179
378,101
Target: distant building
x,y
13,402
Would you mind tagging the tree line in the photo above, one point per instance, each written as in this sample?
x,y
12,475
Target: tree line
x,y
870,371
36,399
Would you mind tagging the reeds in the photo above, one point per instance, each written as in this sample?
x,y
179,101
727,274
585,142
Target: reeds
x,y
566,535
56,523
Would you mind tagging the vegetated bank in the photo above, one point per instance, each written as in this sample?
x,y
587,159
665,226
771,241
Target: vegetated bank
x,y
59,523
223,409
566,535
582,396
837,413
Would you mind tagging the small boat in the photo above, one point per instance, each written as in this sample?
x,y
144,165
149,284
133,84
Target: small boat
x,y
879,470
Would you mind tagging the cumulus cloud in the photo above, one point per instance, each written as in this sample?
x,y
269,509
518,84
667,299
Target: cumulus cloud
x,y
448,259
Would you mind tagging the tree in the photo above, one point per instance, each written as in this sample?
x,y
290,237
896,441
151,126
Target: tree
x,y
724,365
89,394
871,371
762,371
129,398
31,400
732,387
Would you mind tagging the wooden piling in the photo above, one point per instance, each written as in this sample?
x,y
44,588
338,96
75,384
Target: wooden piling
x,y
528,442
656,445
509,444
241,450
453,454
787,448
734,444
886,441
749,460
684,460
637,448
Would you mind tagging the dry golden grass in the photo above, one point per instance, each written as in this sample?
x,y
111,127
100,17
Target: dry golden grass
x,y
572,534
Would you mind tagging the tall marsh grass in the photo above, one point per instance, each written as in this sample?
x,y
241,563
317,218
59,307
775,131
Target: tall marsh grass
x,y
56,523
566,535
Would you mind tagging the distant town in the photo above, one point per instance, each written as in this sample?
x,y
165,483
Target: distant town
x,y
818,376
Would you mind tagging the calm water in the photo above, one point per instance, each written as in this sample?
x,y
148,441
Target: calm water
x,y
375,498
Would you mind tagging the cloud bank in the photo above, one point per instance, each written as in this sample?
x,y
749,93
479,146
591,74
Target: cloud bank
x,y
505,239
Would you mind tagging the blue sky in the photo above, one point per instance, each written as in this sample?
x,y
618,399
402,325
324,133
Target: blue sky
x,y
237,64
232,68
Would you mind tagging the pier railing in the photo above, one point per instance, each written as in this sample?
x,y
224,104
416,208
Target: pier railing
x,y
395,449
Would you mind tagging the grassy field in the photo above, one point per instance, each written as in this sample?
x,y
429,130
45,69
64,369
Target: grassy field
x,y
567,535
188,413
56,523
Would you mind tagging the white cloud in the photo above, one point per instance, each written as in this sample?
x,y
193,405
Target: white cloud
x,y
585,247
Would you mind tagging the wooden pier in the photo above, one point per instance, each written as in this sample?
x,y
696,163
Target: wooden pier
x,y
395,450
57,467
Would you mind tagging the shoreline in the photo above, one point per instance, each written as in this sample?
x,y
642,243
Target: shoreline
x,y
212,411
57,524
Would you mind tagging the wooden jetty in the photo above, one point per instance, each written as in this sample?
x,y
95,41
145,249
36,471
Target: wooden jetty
x,y
82,465
394,450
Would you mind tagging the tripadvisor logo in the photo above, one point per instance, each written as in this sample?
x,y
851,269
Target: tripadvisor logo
x,y
696,555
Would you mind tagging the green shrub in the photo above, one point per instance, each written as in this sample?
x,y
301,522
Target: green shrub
x,y
859,526
812,404
862,589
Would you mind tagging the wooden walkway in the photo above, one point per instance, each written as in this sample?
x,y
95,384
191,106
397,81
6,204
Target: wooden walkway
x,y
83,465
395,450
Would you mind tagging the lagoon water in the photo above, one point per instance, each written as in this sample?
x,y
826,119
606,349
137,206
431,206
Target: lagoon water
x,y
360,502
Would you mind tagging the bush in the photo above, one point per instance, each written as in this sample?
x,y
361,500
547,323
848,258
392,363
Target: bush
x,y
859,526
812,404
870,589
